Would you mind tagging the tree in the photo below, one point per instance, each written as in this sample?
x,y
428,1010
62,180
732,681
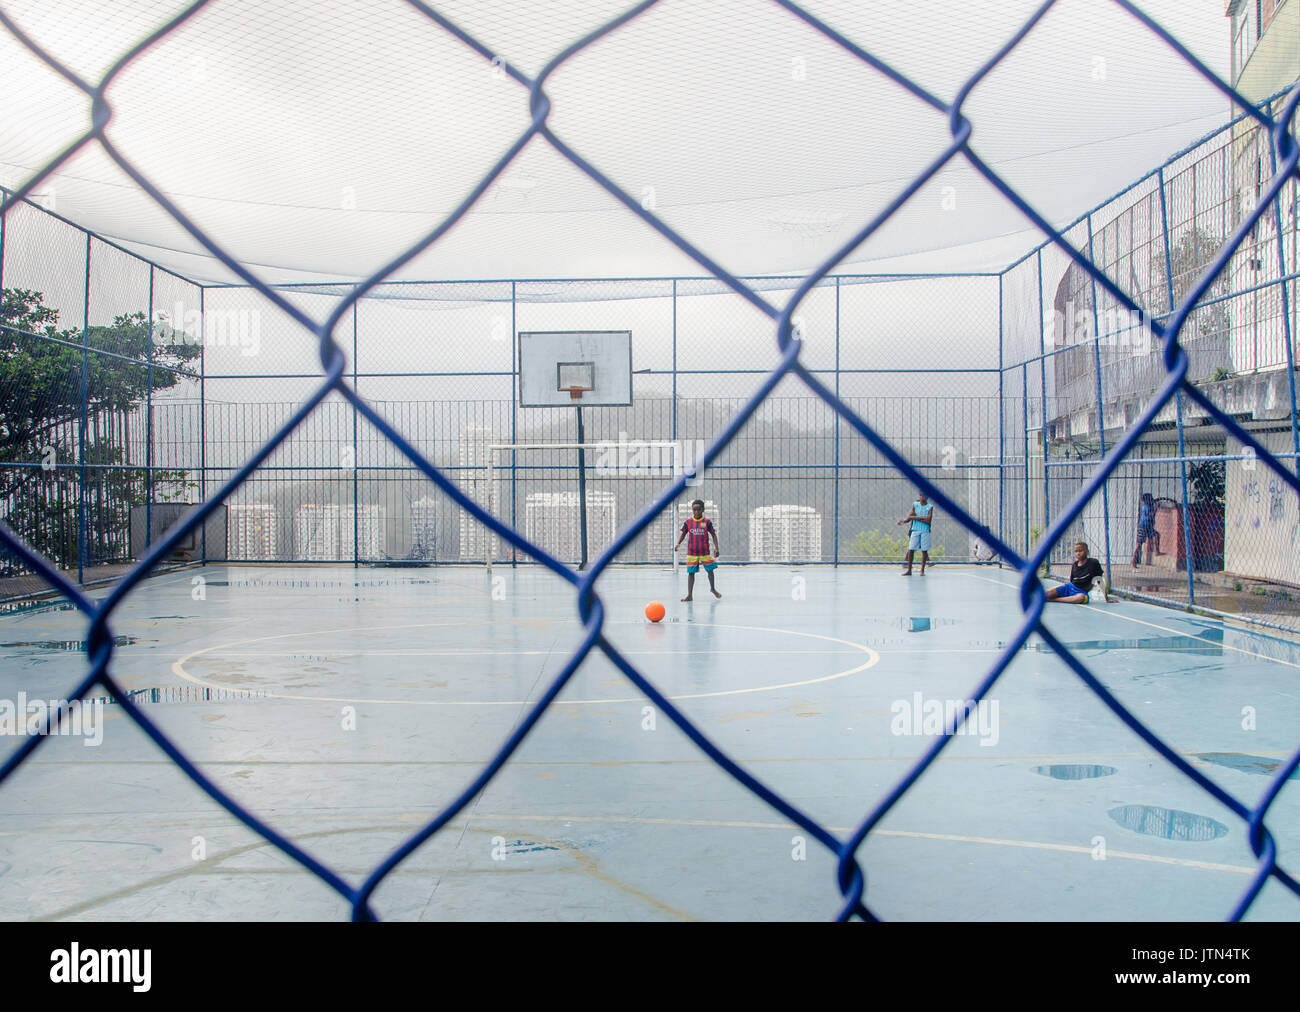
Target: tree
x,y
40,414
877,544
1188,257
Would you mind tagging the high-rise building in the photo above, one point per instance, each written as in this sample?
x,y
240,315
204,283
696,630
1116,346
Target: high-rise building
x,y
551,521
252,531
369,528
663,533
424,528
316,532
473,459
785,534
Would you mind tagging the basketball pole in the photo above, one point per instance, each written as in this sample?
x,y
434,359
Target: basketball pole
x,y
582,494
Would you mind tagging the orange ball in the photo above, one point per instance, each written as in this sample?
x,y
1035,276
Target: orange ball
x,y
654,611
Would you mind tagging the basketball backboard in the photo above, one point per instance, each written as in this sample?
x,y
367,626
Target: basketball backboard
x,y
586,368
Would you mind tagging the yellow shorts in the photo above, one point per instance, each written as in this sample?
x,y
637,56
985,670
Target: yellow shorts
x,y
694,562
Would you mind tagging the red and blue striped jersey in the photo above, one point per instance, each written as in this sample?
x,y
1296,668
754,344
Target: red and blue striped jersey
x,y
697,535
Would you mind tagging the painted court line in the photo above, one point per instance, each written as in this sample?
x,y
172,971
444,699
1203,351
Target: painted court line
x,y
178,668
1153,625
897,833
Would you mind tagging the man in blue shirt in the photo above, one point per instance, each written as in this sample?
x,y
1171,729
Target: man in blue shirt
x,y
1147,532
921,519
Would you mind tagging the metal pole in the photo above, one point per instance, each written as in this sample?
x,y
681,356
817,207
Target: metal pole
x,y
203,441
487,505
1187,513
672,507
582,494
1002,447
1101,404
148,421
674,435
836,528
514,413
1189,559
356,470
1286,311
1042,391
1024,418
81,442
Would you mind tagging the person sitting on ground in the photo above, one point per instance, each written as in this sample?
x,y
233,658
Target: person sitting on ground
x,y
1082,574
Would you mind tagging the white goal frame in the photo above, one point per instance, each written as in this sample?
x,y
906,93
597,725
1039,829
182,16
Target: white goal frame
x,y
490,469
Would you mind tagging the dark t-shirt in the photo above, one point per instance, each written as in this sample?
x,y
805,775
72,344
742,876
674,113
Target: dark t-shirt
x,y
1083,575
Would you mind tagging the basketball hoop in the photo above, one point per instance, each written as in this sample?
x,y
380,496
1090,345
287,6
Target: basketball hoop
x,y
575,393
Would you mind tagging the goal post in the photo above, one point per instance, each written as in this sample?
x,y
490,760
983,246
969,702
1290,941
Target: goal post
x,y
657,460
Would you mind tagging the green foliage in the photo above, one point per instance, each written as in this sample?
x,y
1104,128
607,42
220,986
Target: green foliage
x,y
1221,373
876,544
41,405
40,380
1207,478
49,505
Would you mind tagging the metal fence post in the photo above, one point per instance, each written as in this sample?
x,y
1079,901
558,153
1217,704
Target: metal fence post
x,y
203,438
514,415
1024,418
1002,446
836,508
81,439
1178,401
674,435
356,464
148,425
1286,314
1101,404
1042,393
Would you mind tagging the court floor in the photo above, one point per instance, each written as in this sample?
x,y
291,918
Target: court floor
x,y
347,706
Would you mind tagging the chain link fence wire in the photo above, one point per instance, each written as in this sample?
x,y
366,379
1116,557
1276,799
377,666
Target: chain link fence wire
x,y
1217,534
287,447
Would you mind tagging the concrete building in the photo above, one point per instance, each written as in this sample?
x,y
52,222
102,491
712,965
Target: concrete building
x,y
472,457
316,532
252,531
785,534
367,523
424,528
551,520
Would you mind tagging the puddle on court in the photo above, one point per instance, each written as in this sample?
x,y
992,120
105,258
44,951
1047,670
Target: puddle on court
x,y
1258,765
1168,823
258,584
187,694
1209,644
18,607
1075,771
118,641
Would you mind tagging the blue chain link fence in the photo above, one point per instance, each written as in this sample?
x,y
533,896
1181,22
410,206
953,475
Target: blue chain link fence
x,y
1068,485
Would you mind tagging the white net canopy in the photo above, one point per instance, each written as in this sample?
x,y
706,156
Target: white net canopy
x,y
316,140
